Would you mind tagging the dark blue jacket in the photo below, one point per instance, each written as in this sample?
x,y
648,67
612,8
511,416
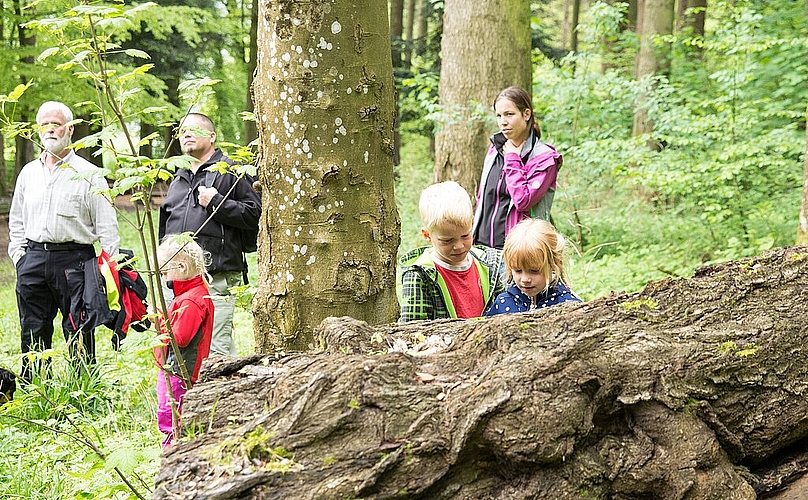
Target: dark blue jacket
x,y
513,300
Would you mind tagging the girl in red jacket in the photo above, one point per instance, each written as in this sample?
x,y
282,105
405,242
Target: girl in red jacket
x,y
190,315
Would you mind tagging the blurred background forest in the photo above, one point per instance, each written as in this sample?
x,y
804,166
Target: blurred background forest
x,y
717,175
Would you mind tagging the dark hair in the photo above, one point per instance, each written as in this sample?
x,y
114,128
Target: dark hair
x,y
522,101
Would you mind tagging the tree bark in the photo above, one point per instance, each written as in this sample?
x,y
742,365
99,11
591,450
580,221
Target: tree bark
x,y
475,69
657,19
690,389
324,95
802,230
409,31
396,30
423,26
250,128
576,13
693,20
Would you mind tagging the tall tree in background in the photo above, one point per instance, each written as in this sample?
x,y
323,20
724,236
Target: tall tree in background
x,y
474,69
330,228
409,29
653,58
691,14
27,41
250,129
802,231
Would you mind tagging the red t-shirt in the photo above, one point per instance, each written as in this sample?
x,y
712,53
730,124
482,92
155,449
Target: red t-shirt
x,y
464,288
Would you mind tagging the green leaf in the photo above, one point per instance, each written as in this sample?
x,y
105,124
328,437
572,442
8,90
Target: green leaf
x,y
47,53
137,53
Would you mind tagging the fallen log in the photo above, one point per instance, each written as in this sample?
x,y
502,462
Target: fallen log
x,y
690,389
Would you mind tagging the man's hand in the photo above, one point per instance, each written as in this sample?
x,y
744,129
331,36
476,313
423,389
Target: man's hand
x,y
206,194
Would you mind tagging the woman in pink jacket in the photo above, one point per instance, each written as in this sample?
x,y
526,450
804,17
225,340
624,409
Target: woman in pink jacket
x,y
519,172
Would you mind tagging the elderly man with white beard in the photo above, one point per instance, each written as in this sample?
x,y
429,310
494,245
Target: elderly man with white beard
x,y
57,217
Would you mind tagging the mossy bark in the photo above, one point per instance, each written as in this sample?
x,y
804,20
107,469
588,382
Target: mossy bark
x,y
690,389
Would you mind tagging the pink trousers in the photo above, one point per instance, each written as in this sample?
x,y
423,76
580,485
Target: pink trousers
x,y
178,390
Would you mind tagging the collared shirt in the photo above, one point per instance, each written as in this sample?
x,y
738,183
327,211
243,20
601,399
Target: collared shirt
x,y
57,207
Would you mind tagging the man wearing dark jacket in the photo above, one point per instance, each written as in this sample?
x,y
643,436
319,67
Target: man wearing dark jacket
x,y
215,207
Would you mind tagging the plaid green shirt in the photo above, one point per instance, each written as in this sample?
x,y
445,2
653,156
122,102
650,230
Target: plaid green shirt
x,y
423,297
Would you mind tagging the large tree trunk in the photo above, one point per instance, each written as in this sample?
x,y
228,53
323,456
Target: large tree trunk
x,y
690,389
330,228
475,69
657,20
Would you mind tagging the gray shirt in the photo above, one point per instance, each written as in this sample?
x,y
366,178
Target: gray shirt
x,y
61,206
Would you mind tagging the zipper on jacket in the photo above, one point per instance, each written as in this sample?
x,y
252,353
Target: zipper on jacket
x,y
497,202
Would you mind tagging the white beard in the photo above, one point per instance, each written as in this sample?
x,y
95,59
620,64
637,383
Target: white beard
x,y
56,145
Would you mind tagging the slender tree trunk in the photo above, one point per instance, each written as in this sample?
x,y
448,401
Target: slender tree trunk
x,y
802,231
635,10
250,128
409,31
692,20
330,230
576,10
565,25
146,129
396,30
423,26
3,175
657,19
24,148
475,69
172,146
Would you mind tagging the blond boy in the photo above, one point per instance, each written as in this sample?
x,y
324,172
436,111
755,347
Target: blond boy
x,y
450,278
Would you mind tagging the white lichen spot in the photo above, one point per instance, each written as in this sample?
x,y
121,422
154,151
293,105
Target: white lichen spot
x,y
311,260
336,27
286,57
335,140
314,64
342,131
321,208
349,90
366,156
338,121
304,249
289,277
344,163
297,109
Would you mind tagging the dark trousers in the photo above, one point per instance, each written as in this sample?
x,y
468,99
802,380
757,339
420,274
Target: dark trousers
x,y
48,281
